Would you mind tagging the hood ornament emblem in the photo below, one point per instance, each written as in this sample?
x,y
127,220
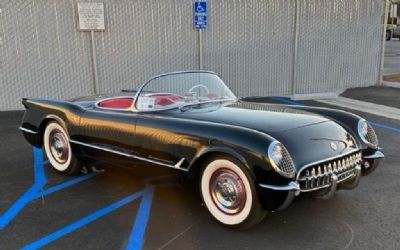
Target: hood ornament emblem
x,y
333,146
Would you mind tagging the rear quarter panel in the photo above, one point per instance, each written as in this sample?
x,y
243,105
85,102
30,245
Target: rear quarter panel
x,y
39,111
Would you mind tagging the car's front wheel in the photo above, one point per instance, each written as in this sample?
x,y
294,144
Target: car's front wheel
x,y
58,149
229,193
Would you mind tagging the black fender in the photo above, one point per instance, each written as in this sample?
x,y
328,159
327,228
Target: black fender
x,y
40,111
198,161
347,120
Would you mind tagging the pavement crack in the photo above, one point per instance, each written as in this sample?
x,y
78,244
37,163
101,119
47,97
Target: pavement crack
x,y
175,237
352,235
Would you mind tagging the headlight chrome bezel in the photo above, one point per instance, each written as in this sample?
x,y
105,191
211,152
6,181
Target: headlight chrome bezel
x,y
364,129
285,159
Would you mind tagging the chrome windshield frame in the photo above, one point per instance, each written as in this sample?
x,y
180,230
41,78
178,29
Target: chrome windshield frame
x,y
143,85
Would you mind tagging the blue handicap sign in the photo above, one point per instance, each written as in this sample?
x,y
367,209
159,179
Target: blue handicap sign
x,y
200,14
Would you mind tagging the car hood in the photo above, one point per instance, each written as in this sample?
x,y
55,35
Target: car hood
x,y
268,118
307,136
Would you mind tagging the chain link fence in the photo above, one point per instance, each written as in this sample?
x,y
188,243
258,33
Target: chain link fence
x,y
271,47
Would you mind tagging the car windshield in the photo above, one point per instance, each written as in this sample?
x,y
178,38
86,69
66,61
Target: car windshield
x,y
182,90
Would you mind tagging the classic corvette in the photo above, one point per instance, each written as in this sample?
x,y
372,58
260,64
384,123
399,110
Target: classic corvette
x,y
249,157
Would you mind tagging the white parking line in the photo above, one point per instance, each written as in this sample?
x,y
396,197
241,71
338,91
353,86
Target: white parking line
x,y
367,107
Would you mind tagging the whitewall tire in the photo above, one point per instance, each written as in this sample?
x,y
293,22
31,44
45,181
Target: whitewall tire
x,y
229,193
58,149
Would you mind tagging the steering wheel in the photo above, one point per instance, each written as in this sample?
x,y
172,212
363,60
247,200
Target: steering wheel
x,y
200,86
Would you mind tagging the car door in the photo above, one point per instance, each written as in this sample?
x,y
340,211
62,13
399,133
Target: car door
x,y
108,135
167,140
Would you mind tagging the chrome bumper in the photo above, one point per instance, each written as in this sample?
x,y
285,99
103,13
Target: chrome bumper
x,y
326,192
377,155
293,185
371,162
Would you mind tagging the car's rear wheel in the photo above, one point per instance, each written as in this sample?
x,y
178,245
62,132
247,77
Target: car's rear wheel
x,y
229,193
58,150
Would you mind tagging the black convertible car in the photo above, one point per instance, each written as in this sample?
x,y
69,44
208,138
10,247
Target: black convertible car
x,y
249,157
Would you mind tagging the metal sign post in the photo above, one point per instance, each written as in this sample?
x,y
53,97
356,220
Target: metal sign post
x,y
200,23
91,18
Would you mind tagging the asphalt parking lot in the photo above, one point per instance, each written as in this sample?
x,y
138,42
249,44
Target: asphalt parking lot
x,y
151,207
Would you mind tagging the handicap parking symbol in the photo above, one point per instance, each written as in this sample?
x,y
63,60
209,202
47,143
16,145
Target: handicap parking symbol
x,y
200,14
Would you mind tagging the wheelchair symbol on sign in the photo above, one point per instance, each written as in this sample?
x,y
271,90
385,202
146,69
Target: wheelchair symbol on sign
x,y
200,8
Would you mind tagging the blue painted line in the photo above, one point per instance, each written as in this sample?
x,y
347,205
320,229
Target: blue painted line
x,y
40,181
136,237
84,221
373,123
40,178
286,100
64,185
380,125
34,191
10,214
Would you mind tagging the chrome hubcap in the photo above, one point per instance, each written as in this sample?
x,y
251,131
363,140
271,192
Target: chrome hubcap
x,y
59,146
227,191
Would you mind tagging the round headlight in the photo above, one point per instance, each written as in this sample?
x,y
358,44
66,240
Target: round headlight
x,y
280,159
367,133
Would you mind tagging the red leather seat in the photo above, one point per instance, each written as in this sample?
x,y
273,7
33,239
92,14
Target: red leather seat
x,y
165,100
117,103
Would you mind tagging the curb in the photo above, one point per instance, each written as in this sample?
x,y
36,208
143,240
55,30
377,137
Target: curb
x,y
366,107
390,84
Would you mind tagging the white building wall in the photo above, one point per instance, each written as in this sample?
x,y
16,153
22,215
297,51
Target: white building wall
x,y
259,47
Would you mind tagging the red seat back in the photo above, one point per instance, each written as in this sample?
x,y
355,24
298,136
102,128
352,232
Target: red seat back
x,y
117,103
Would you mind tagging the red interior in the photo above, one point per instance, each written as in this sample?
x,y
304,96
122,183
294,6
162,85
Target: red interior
x,y
126,102
117,103
165,100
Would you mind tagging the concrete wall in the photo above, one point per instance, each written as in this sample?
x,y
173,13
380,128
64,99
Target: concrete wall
x,y
259,47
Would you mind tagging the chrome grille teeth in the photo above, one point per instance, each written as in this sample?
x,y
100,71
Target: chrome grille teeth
x,y
326,179
330,168
307,178
312,177
319,176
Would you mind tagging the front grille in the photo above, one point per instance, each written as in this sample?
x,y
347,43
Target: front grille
x,y
319,176
371,136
